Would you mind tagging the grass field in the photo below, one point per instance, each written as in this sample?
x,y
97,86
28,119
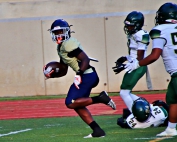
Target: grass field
x,y
72,129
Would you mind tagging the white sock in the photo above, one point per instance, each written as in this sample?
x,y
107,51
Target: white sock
x,y
125,95
172,125
134,97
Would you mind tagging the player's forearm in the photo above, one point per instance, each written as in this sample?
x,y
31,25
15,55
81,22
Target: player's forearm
x,y
155,54
140,54
146,61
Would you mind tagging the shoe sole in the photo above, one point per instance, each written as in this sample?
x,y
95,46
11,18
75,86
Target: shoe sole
x,y
90,136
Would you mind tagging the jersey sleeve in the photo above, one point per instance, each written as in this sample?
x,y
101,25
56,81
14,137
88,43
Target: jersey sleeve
x,y
142,46
142,40
158,37
145,39
142,36
158,43
71,45
155,33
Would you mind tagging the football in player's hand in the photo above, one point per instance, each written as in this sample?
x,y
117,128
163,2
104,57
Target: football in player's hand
x,y
55,66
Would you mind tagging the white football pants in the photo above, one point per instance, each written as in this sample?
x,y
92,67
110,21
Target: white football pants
x,y
128,98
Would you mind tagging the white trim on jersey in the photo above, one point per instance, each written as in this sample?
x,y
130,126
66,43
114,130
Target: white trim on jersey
x,y
142,46
158,43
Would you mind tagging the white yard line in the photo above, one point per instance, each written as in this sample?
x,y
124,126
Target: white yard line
x,y
15,132
153,139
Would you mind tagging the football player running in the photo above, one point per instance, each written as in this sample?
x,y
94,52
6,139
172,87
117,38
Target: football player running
x,y
145,115
164,44
138,40
72,54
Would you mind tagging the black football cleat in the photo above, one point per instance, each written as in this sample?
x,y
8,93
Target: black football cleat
x,y
97,133
104,98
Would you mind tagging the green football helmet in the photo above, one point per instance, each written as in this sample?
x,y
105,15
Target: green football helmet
x,y
141,109
167,13
133,22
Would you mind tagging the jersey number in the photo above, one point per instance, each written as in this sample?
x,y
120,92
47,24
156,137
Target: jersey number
x,y
174,38
157,111
131,122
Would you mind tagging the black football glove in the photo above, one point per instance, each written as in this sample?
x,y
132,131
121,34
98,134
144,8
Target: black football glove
x,y
126,113
121,59
118,68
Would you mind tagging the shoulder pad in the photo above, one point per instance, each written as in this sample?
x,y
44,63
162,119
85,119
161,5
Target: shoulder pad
x,y
154,33
70,44
145,38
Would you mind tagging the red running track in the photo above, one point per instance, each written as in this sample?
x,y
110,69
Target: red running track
x,y
57,108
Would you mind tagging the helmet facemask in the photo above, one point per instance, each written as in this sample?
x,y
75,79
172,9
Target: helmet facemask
x,y
60,34
160,18
129,29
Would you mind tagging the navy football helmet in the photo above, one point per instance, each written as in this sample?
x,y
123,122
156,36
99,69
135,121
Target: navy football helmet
x,y
60,31
133,22
166,13
141,109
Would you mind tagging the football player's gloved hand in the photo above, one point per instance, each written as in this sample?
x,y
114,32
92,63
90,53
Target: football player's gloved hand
x,y
47,72
77,81
129,67
121,59
118,68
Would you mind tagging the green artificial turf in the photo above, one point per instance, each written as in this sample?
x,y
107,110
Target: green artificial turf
x,y
73,129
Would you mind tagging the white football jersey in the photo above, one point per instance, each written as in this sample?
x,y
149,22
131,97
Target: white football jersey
x,y
138,41
168,32
158,117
